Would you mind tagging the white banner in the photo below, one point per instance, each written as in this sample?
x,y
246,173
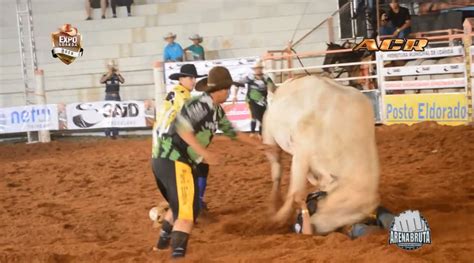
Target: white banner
x,y
29,118
428,53
67,52
238,67
424,69
425,84
105,114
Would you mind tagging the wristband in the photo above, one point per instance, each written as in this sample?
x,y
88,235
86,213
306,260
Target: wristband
x,y
304,211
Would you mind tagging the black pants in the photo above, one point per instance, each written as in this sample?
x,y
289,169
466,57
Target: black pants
x,y
114,97
257,112
177,182
115,3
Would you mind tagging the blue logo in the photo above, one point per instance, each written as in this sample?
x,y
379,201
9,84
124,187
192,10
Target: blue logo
x,y
34,115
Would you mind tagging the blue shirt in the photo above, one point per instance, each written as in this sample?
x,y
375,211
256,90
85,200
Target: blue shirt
x,y
173,52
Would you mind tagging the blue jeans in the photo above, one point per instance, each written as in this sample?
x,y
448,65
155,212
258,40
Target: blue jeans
x,y
389,30
404,33
112,132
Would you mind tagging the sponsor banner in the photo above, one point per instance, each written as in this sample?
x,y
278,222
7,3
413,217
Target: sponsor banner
x,y
238,68
29,118
424,70
427,53
238,114
425,84
105,114
449,109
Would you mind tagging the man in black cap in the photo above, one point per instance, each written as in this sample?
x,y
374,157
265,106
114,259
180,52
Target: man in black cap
x,y
183,147
171,106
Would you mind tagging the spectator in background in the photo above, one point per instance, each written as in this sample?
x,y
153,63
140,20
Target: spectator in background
x,y
173,51
112,80
196,49
94,4
127,3
400,18
386,28
258,85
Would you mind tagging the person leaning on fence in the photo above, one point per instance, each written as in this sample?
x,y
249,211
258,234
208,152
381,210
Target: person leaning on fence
x,y
400,18
184,146
171,106
112,80
127,3
258,85
173,51
94,4
197,51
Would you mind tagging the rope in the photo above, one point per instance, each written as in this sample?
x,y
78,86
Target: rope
x,y
301,63
299,22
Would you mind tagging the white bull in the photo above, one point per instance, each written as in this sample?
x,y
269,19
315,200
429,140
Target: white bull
x,y
329,130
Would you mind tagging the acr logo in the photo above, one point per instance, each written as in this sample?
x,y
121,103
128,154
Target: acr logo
x,y
392,44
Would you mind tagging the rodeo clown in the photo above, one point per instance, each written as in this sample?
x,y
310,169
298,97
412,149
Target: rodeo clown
x,y
182,147
172,104
258,85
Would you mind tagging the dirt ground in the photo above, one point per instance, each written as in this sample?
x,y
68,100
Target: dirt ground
x,y
87,200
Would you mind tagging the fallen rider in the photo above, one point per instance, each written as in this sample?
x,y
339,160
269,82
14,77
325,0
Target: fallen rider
x,y
380,219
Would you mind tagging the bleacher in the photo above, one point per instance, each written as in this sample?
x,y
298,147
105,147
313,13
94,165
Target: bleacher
x,y
230,29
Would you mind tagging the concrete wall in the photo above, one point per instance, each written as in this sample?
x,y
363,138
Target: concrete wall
x,y
230,29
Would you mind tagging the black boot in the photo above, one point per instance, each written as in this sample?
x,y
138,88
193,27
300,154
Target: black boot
x,y
165,235
179,242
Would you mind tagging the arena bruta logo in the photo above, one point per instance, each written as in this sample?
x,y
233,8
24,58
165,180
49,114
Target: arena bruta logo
x,y
410,230
67,44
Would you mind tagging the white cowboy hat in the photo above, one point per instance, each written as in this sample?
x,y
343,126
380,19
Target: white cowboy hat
x,y
258,64
112,63
169,35
196,37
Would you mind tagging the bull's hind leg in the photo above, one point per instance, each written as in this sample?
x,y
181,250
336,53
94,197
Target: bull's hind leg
x,y
274,157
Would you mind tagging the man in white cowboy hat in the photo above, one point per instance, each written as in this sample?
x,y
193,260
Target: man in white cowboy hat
x,y
257,91
196,49
173,51
112,80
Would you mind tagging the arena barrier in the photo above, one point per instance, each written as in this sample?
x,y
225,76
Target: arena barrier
x,y
422,92
433,92
76,116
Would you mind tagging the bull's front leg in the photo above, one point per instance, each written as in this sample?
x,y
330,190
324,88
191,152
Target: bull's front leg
x,y
298,177
274,157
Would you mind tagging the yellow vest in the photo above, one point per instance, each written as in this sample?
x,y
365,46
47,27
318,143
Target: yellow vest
x,y
170,108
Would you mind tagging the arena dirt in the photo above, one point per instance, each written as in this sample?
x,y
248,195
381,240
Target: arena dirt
x,y
88,200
